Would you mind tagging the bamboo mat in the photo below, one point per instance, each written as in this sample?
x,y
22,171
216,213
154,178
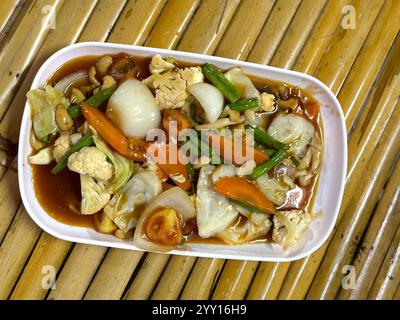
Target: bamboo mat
x,y
360,65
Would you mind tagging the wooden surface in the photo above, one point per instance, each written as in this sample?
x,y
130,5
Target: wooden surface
x,y
361,66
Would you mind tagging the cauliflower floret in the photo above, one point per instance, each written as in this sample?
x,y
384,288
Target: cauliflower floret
x,y
92,162
257,226
268,102
159,65
191,75
171,86
61,146
289,226
94,195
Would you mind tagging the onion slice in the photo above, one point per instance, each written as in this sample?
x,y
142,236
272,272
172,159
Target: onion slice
x,y
210,99
174,198
65,83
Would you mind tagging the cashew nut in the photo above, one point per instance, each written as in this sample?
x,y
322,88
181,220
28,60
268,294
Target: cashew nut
x,y
77,96
103,64
108,82
92,76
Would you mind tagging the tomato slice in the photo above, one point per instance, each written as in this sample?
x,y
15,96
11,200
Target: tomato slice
x,y
164,226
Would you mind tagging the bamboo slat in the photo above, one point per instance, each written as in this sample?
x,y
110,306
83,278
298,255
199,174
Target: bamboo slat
x,y
49,251
9,198
234,280
320,37
268,281
102,20
147,277
26,41
172,23
297,33
273,31
135,22
203,279
17,240
8,10
377,45
376,240
388,278
77,272
173,278
113,275
346,43
237,41
208,25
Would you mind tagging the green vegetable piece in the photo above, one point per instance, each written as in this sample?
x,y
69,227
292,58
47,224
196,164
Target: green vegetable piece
x,y
123,168
261,147
85,141
243,105
246,206
216,77
95,101
262,137
269,164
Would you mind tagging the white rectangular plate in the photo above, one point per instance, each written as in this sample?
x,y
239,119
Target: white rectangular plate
x,y
330,187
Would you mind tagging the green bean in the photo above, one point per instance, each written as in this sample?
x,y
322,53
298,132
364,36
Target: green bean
x,y
246,206
216,77
261,147
85,141
95,101
262,137
295,161
269,164
243,105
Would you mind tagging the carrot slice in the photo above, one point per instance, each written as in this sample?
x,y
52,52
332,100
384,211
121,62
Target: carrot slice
x,y
312,110
247,151
111,133
177,171
240,189
182,122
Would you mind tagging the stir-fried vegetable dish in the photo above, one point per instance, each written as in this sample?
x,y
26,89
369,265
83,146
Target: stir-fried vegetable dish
x,y
164,153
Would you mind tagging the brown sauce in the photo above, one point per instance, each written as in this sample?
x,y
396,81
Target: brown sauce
x,y
60,194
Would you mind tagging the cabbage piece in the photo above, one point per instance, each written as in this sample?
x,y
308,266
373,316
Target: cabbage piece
x,y
126,206
123,168
214,212
294,130
257,226
95,195
43,104
289,226
275,189
242,82
44,156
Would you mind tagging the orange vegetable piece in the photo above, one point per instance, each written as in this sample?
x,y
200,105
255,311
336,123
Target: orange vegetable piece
x,y
240,189
112,134
164,226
